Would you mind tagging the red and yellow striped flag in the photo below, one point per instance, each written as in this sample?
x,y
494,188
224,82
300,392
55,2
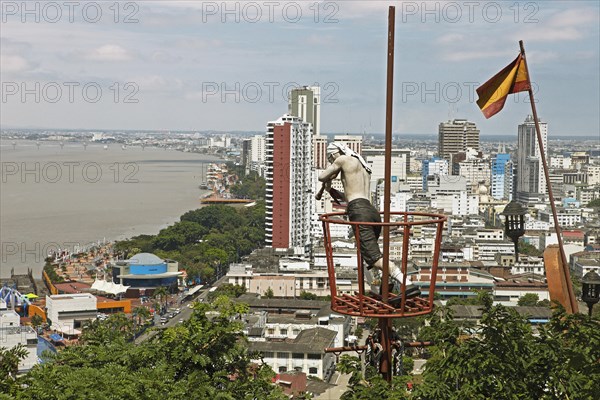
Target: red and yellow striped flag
x,y
512,79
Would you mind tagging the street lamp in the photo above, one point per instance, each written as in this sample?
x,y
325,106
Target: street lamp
x,y
514,223
590,290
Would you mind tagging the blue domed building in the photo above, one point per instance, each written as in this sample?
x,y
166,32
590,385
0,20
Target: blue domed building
x,y
146,271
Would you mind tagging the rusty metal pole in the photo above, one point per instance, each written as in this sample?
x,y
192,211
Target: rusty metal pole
x,y
385,324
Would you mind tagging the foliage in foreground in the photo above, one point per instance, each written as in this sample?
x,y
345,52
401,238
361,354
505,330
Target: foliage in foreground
x,y
203,358
504,360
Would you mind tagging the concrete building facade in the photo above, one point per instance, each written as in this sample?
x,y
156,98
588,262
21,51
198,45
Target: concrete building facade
x,y
456,136
290,185
531,183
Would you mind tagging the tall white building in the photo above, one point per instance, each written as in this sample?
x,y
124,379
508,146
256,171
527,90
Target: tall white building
x,y
305,103
290,184
509,179
258,149
320,152
531,182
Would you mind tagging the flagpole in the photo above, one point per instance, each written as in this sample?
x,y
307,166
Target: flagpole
x,y
385,324
565,266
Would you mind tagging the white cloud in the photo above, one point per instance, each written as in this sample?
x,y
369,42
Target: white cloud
x,y
13,63
157,83
109,52
476,55
450,38
565,25
197,43
165,57
320,40
541,56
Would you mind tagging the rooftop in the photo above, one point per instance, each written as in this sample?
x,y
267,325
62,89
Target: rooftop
x,y
145,259
72,296
313,340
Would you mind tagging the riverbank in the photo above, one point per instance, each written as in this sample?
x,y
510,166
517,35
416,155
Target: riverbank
x,y
71,194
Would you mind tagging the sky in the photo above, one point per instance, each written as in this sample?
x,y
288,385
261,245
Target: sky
x,y
227,65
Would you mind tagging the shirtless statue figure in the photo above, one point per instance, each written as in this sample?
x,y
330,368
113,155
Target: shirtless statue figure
x,y
356,178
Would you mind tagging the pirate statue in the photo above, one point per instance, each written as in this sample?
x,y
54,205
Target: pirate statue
x,y
356,179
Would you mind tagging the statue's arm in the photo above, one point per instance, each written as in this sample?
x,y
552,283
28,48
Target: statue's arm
x,y
330,172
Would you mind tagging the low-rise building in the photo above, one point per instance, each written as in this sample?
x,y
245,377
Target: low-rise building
x,y
565,216
146,270
302,354
68,312
454,279
535,315
529,265
510,291
575,236
286,326
13,334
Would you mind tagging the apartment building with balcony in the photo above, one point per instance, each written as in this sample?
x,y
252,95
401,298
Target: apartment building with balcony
x,y
289,183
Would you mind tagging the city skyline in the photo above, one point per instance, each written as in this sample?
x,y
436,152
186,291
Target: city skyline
x,y
177,66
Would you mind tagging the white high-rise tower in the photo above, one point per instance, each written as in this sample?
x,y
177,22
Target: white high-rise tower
x,y
289,194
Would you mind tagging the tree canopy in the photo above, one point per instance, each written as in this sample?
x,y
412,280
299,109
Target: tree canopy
x,y
203,358
205,239
506,359
594,203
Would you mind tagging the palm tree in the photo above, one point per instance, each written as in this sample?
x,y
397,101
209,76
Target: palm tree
x,y
138,314
161,293
36,321
141,313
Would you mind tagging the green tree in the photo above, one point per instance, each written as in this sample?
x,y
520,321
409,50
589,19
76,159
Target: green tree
x,y
370,385
505,360
36,321
188,231
168,241
116,328
207,274
594,203
269,294
141,314
481,298
161,294
252,186
528,300
219,217
9,366
227,290
205,358
307,296
530,250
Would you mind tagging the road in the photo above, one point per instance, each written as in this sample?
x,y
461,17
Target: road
x,y
185,314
